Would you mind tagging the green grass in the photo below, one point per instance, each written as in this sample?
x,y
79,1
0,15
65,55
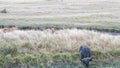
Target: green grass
x,y
11,56
103,22
50,59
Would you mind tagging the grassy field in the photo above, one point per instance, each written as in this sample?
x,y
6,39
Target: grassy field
x,y
76,23
35,46
93,15
100,22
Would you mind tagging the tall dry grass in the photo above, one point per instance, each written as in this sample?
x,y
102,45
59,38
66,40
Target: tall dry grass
x,y
67,40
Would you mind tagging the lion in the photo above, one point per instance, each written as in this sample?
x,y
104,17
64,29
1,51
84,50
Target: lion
x,y
9,29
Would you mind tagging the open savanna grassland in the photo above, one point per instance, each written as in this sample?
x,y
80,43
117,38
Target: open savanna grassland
x,y
36,46
100,15
72,20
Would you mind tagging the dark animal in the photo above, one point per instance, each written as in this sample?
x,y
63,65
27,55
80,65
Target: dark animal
x,y
85,55
4,11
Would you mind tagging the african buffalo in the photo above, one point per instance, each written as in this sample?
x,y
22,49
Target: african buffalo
x,y
85,53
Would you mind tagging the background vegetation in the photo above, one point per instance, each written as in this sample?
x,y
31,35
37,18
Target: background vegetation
x,y
102,22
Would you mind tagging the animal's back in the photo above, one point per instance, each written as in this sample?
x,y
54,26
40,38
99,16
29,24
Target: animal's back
x,y
85,52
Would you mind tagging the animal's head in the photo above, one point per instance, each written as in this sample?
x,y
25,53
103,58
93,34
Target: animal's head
x,y
86,60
